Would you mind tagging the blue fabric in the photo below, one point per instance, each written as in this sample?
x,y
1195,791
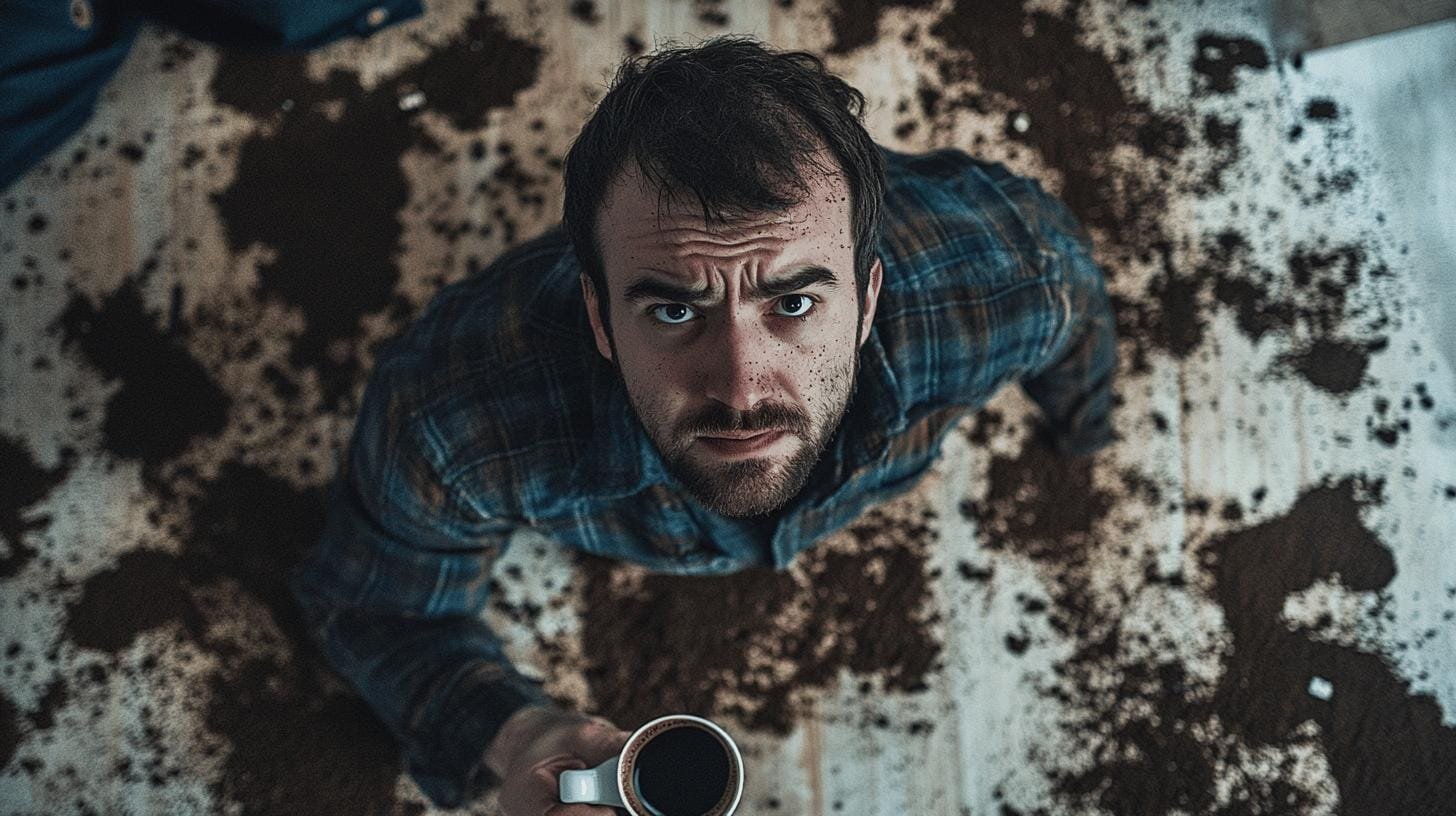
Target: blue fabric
x,y
494,412
57,55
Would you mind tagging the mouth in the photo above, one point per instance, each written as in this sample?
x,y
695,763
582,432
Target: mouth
x,y
741,443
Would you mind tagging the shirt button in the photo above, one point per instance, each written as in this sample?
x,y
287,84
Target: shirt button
x,y
81,13
377,16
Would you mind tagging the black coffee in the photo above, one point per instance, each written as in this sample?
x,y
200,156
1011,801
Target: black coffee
x,y
682,771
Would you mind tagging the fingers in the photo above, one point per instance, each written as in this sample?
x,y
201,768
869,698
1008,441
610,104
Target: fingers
x,y
534,791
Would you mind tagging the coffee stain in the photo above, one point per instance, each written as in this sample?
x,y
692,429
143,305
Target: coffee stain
x,y
340,263
751,644
166,397
1316,297
145,590
1387,747
1335,366
1079,113
1163,741
53,699
294,747
27,484
284,729
1039,505
1218,59
856,22
9,729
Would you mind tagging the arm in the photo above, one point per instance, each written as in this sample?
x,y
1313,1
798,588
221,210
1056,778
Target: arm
x,y
1073,384
393,593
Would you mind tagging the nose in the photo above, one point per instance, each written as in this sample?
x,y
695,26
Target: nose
x,y
738,369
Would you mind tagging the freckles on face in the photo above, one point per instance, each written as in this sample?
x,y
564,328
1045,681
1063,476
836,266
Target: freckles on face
x,y
731,346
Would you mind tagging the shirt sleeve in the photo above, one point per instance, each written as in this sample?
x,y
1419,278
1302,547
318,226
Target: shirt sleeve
x,y
1073,383
394,593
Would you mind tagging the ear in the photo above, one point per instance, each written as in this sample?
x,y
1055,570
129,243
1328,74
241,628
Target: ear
x,y
589,292
872,299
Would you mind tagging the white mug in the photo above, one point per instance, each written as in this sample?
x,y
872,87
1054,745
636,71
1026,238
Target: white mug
x,y
675,765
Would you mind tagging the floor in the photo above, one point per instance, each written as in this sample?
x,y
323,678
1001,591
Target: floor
x,y
1245,606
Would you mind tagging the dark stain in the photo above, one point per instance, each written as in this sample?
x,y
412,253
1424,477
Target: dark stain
x,y
1321,278
857,22
9,729
1040,505
144,591
166,398
1388,749
709,631
338,263
1322,109
1078,110
285,729
1335,366
54,698
1218,58
585,11
36,224
971,572
27,484
296,748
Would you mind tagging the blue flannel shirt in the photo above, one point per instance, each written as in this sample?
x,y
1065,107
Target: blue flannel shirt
x,y
494,411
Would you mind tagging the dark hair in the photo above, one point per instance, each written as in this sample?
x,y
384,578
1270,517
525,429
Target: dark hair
x,y
730,123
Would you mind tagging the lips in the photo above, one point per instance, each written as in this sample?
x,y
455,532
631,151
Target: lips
x,y
741,443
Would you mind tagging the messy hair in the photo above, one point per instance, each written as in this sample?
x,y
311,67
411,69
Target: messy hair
x,y
730,124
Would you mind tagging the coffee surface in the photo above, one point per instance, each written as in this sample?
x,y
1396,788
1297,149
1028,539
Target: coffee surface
x,y
682,772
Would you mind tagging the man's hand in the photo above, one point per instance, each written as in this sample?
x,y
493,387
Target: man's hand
x,y
535,745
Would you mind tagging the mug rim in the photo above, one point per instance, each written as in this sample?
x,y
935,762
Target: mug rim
x,y
731,743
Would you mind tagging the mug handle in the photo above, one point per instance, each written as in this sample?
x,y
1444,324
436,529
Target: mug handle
x,y
594,786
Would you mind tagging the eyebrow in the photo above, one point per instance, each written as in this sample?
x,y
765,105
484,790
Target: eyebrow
x,y
645,288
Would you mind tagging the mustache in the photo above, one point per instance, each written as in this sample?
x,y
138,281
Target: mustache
x,y
771,416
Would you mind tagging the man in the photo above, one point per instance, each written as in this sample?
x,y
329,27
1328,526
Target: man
x,y
723,358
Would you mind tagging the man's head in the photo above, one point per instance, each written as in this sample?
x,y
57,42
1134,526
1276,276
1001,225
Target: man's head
x,y
724,204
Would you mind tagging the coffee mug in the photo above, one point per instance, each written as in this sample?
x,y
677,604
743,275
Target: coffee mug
x,y
677,765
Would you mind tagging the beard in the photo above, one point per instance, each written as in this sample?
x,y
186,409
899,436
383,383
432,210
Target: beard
x,y
750,487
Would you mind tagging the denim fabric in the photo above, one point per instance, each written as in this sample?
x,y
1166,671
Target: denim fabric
x,y
494,411
57,55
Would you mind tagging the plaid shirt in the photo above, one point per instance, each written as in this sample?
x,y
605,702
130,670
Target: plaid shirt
x,y
494,411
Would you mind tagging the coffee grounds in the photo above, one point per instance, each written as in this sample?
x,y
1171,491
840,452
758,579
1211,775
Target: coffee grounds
x,y
55,697
159,378
1219,59
1316,297
9,729
354,227
1039,504
856,22
27,484
282,728
1388,748
752,645
1162,740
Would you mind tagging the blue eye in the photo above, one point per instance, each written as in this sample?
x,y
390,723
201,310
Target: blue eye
x,y
795,300
680,313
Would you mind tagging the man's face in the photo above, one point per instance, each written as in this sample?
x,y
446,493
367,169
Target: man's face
x,y
738,344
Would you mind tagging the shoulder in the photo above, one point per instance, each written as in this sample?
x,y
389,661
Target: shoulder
x,y
971,298
492,382
945,206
